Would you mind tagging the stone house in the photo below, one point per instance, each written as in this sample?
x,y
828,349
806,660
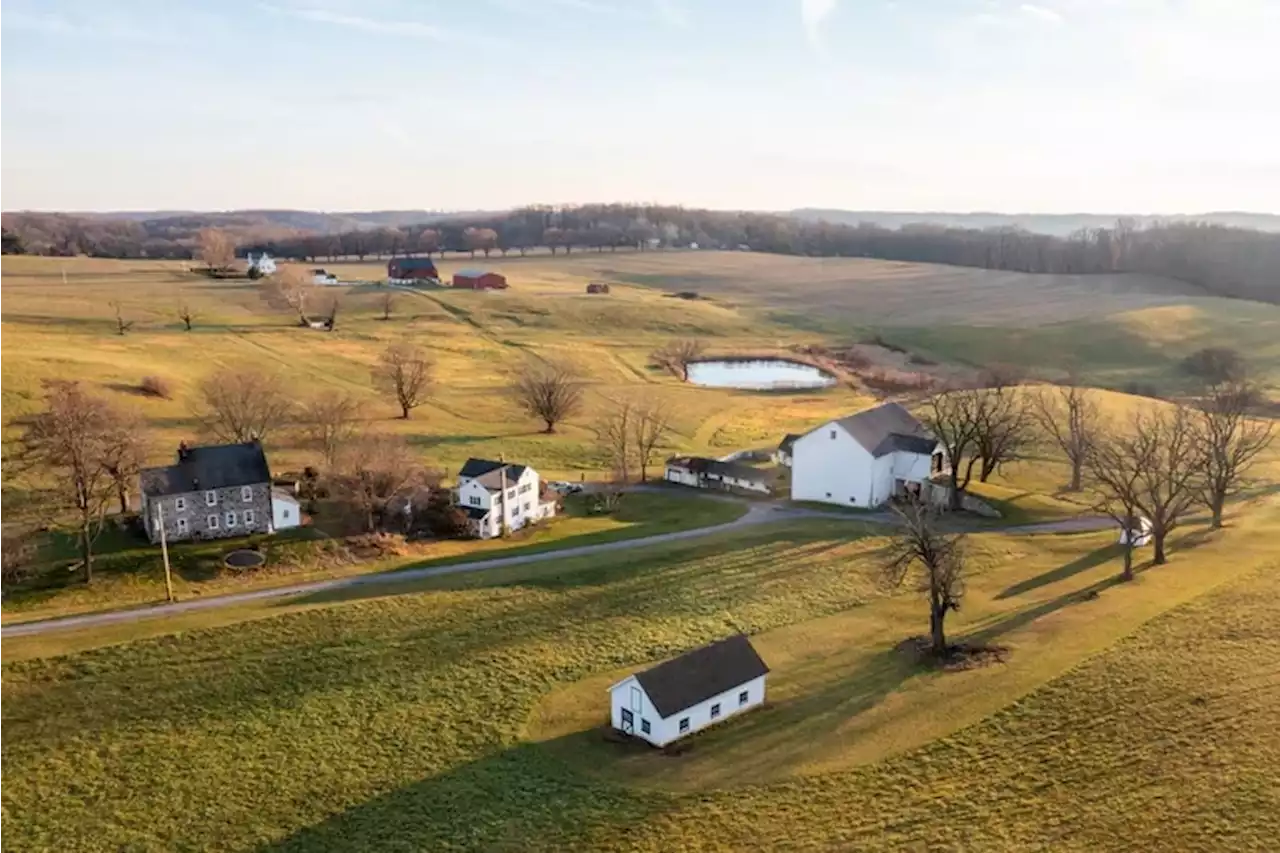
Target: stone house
x,y
210,493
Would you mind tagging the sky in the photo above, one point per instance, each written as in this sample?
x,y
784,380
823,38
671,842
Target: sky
x,y
1139,106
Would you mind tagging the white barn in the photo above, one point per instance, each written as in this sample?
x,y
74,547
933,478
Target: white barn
x,y
864,459
689,693
489,492
782,456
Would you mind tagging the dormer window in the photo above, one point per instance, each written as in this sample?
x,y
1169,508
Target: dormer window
x,y
211,498
246,493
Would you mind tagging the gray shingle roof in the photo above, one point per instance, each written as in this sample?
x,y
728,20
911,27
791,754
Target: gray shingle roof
x,y
788,441
489,473
702,465
700,674
218,466
887,428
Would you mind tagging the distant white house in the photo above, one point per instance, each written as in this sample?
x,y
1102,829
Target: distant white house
x,y
689,693
782,456
263,263
286,511
323,277
703,473
1140,533
491,492
864,459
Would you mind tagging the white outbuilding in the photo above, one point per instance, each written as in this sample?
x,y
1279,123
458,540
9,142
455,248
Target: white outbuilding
x,y
689,693
864,459
286,511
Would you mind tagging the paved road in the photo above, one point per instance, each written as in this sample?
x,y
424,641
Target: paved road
x,y
758,513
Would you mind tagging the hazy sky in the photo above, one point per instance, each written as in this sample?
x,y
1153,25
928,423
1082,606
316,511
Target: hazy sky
x,y
1051,105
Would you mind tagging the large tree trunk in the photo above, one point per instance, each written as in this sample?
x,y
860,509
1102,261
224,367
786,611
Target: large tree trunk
x,y
1157,541
122,493
953,496
937,635
404,412
551,427
1127,573
1076,465
86,550
1217,503
988,469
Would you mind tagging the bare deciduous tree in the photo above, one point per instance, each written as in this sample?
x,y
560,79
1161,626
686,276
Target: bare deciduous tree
x,y
676,356
1115,462
917,546
549,392
124,454
373,469
216,248
1155,465
243,405
953,416
186,315
68,443
329,420
290,289
650,427
1003,425
122,325
1068,417
388,302
616,440
1230,441
404,372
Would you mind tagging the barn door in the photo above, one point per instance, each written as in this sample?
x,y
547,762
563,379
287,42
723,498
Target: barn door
x,y
635,700
628,721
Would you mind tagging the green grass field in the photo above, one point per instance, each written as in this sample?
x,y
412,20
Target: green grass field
x,y
463,712
458,713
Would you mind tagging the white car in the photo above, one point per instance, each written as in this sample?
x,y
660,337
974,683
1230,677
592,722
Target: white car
x,y
564,488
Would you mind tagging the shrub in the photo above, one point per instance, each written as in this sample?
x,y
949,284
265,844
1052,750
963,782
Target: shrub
x,y
1215,365
891,381
156,386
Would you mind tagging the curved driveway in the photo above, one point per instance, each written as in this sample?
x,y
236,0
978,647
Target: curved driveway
x,y
759,513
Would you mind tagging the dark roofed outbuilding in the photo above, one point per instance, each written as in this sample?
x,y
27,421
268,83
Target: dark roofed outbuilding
x,y
698,675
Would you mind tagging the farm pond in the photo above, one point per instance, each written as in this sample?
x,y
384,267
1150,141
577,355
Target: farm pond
x,y
759,374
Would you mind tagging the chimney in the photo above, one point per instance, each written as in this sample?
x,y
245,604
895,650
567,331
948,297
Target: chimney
x,y
183,452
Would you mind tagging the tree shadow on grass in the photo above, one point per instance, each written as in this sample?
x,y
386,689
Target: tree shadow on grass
x,y
515,800
1020,618
1081,564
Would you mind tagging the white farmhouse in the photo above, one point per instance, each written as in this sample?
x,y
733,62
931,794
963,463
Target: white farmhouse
x,y
691,692
864,459
263,263
491,492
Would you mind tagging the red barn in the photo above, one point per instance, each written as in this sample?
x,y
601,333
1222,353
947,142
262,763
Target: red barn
x,y
412,268
476,279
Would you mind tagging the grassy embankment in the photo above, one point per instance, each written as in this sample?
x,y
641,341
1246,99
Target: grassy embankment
x,y
457,713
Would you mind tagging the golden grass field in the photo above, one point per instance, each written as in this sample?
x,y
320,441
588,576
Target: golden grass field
x,y
461,712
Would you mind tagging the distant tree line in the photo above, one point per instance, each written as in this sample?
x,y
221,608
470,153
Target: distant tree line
x,y
1225,261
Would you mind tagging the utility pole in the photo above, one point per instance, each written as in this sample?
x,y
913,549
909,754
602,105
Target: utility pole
x,y
164,551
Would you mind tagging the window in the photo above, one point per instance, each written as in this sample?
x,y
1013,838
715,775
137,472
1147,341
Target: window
x,y
853,500
284,513
833,435
511,494
684,724
644,726
182,525
211,498
212,522
526,488
742,697
180,504
249,516
715,710
474,501
246,493
828,494
231,519
515,510
527,505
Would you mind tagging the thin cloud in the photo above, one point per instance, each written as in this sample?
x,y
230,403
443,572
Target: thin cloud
x,y
813,14
379,26
93,29
1041,13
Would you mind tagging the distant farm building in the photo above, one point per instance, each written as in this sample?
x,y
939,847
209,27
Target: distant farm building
x,y
412,269
597,287
478,279
321,276
263,264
